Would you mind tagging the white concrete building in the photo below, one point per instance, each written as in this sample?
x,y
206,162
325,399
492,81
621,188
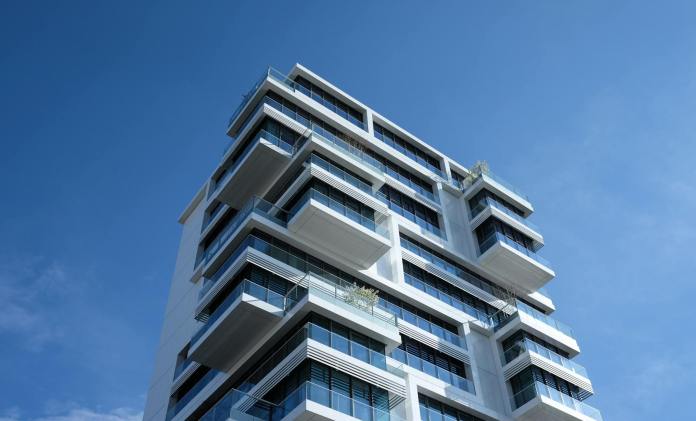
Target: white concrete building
x,y
317,200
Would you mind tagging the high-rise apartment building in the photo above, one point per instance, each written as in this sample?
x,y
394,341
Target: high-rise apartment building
x,y
335,267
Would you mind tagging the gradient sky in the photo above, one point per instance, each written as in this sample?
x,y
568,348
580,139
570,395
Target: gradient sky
x,y
113,114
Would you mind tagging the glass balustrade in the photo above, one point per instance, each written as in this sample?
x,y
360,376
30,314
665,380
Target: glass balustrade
x,y
344,296
411,216
321,335
496,237
255,205
244,287
433,370
262,134
538,315
342,209
228,408
336,400
487,201
540,389
528,345
479,315
340,173
424,324
190,394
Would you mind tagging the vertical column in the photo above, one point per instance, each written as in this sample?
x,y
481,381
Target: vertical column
x,y
412,406
368,122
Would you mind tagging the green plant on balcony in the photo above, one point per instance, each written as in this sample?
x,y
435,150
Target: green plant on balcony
x,y
476,170
361,297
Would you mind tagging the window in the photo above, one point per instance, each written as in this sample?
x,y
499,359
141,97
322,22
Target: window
x,y
415,153
329,101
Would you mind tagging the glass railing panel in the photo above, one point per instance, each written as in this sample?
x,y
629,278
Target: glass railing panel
x,y
255,205
340,173
339,207
496,237
538,315
341,295
337,401
448,299
413,218
447,267
540,389
346,346
262,134
487,201
183,365
528,345
228,408
433,370
506,184
247,287
188,396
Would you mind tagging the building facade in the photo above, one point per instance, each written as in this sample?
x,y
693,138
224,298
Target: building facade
x,y
335,267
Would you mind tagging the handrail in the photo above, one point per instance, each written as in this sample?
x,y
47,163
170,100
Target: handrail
x,y
528,345
540,389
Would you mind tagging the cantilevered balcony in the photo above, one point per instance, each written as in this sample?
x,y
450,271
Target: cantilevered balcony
x,y
489,207
264,155
527,352
539,402
518,265
433,370
539,324
313,402
331,225
236,324
499,186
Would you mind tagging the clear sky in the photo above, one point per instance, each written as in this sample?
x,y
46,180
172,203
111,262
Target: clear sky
x,y
113,113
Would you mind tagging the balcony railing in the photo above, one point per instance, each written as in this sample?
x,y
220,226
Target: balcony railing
x,y
528,345
183,365
498,180
454,270
244,287
540,389
190,394
338,401
544,318
227,408
433,370
255,205
412,216
369,223
424,324
312,331
497,237
479,315
262,134
340,294
340,173
487,201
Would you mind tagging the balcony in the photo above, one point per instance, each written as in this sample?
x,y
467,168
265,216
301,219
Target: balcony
x,y
256,206
540,324
311,401
273,76
241,179
499,186
490,207
433,370
331,225
327,295
539,402
243,317
298,343
528,352
520,266
227,408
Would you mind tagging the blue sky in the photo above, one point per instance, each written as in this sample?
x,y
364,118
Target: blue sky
x,y
113,114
